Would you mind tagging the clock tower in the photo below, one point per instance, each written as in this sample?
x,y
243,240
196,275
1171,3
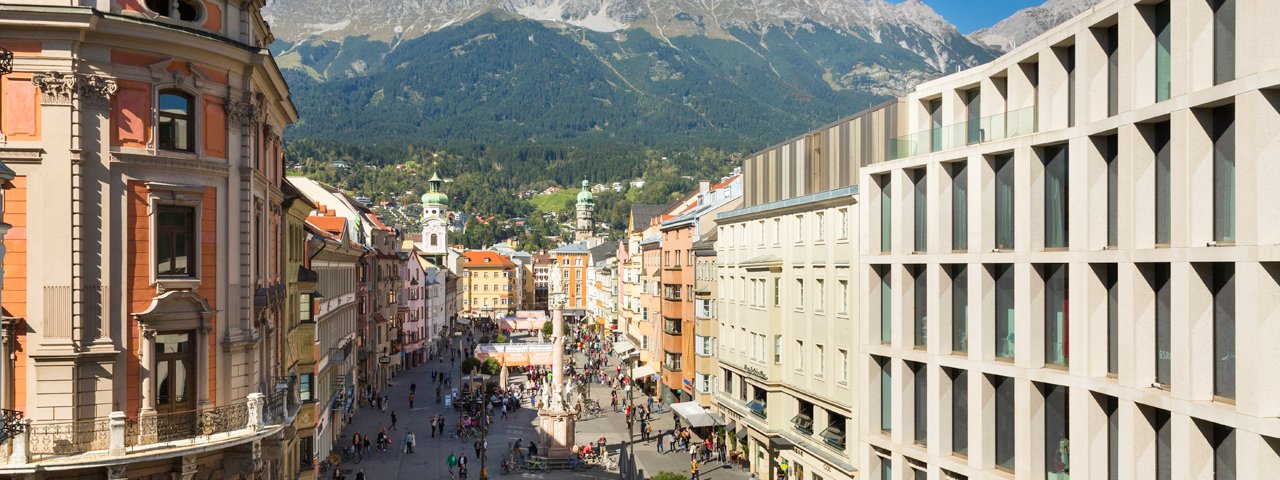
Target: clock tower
x,y
435,222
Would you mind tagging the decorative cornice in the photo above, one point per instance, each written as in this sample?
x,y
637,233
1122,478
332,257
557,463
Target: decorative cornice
x,y
187,165
251,111
21,155
57,88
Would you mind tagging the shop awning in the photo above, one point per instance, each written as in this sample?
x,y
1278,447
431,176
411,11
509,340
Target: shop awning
x,y
622,347
643,371
694,414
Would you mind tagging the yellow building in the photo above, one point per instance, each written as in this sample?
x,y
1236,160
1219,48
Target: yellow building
x,y
488,284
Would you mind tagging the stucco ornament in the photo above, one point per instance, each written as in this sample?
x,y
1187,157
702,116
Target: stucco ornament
x,y
251,111
97,89
56,88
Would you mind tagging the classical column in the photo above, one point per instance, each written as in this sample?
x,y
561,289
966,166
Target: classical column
x,y
145,354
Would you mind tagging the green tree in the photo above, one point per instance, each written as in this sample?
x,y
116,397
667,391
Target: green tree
x,y
546,328
491,367
469,365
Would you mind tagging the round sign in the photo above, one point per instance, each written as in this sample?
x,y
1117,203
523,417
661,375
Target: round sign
x,y
384,359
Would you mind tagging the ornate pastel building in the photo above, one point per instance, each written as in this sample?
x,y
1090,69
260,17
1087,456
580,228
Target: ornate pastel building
x,y
145,283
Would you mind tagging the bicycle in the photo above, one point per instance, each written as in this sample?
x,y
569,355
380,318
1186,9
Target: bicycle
x,y
352,455
534,464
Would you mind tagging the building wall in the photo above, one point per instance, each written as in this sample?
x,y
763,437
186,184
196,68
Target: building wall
x,y
677,311
489,290
788,331
1082,387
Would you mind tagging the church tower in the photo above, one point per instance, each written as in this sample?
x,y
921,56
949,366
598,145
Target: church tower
x,y
435,221
586,225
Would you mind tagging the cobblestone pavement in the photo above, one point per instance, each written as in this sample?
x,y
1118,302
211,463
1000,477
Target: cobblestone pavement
x,y
428,460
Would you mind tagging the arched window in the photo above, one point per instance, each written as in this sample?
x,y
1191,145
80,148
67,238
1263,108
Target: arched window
x,y
177,121
185,10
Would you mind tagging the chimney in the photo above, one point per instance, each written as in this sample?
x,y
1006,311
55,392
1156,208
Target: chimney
x,y
704,187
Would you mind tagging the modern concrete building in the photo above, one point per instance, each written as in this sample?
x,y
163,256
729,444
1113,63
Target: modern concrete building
x,y
145,298
1070,266
788,301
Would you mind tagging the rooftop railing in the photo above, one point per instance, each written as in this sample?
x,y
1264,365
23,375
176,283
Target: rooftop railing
x,y
1000,126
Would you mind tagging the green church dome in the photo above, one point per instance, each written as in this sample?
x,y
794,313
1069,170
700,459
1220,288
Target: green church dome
x,y
434,196
585,197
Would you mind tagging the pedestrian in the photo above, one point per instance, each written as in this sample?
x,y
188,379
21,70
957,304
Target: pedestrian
x,y
504,409
413,388
410,400
409,441
451,461
393,419
476,445
360,474
368,444
660,439
693,470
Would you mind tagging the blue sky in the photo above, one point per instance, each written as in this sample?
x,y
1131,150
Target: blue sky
x,y
970,15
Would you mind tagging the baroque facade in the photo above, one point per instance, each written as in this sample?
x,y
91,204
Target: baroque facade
x,y
146,290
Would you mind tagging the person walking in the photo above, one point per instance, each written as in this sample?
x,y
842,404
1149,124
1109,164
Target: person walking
x,y
477,447
393,419
360,474
693,470
451,461
410,400
409,441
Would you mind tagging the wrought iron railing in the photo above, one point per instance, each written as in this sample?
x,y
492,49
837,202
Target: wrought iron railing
x,y
68,438
10,424
167,427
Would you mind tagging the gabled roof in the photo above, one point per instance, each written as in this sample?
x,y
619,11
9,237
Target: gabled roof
x,y
335,226
603,251
580,247
642,213
725,183
485,259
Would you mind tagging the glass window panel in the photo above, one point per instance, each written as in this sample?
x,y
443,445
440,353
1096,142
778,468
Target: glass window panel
x,y
919,309
960,412
1004,421
920,214
886,215
1057,423
920,400
1004,202
1112,50
1109,149
1057,323
1110,408
1109,275
1164,355
1224,330
163,383
1164,444
1004,321
959,206
959,308
1069,62
1224,453
935,125
180,369
1164,38
1056,200
1224,40
886,305
1224,174
886,395
1164,212
973,119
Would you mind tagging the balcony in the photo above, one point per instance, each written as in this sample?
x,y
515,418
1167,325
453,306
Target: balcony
x,y
1010,124
118,439
673,326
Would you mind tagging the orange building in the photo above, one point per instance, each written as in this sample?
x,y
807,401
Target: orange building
x,y
569,277
144,275
488,284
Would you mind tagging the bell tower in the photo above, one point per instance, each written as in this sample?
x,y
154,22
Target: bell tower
x,y
586,225
435,221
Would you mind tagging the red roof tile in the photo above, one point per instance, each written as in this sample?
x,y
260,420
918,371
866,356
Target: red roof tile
x,y
485,258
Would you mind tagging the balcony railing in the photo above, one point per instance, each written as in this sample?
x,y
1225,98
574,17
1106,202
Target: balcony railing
x,y
119,435
1000,126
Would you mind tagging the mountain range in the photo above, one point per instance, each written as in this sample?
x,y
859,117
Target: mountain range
x,y
547,79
